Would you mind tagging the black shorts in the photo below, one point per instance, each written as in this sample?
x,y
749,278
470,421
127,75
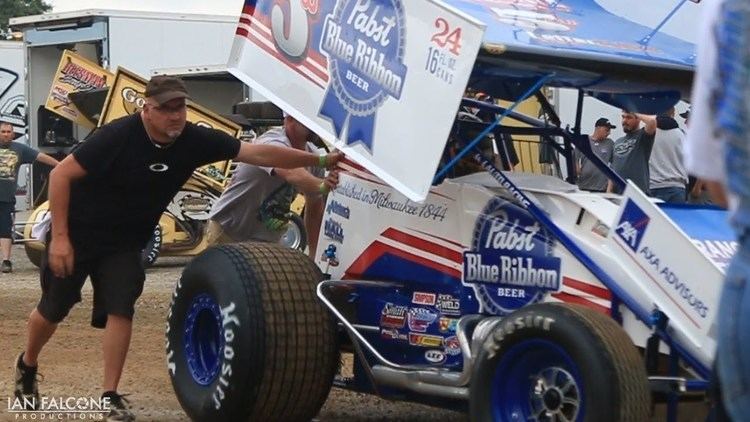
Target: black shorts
x,y
6,219
117,280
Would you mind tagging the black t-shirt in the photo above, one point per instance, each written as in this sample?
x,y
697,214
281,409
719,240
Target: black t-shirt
x,y
129,182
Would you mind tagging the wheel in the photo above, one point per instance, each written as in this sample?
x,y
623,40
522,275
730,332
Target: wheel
x,y
34,248
151,252
553,362
247,338
295,236
34,254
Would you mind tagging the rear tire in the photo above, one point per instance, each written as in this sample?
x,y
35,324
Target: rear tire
x,y
247,338
559,360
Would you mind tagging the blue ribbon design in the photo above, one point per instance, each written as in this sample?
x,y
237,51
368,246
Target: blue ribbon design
x,y
361,128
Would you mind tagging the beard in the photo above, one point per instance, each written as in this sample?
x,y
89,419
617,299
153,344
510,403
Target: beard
x,y
173,134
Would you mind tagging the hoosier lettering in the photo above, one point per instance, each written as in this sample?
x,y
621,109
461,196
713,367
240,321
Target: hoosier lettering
x,y
515,271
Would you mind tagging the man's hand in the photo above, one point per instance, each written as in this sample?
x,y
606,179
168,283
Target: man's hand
x,y
61,256
332,158
331,181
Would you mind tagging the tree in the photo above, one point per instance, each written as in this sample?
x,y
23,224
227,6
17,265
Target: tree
x,y
15,8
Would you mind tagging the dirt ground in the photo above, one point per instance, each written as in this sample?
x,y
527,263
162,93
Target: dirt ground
x,y
71,362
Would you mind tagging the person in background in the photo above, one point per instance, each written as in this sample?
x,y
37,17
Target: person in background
x,y
12,156
668,178
718,152
591,178
632,151
255,203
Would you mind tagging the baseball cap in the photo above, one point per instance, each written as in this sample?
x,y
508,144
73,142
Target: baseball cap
x,y
164,88
603,121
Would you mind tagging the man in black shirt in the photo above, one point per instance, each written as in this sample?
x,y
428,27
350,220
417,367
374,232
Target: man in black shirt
x,y
105,199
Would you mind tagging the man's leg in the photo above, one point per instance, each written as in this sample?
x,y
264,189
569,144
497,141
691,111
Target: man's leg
x,y
115,345
39,331
5,246
6,235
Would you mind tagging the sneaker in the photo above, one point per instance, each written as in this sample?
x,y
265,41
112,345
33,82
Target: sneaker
x,y
6,266
27,385
119,408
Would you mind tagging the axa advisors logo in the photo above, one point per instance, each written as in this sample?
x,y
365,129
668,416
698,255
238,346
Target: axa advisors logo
x,y
632,225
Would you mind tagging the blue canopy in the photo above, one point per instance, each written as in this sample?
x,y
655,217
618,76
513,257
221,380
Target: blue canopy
x,y
583,46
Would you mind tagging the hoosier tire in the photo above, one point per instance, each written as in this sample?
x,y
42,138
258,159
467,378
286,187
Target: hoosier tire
x,y
554,362
247,339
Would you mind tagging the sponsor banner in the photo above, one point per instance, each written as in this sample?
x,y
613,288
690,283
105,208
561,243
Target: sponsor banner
x,y
75,74
511,263
425,340
333,230
359,72
434,356
447,325
679,279
448,304
126,96
393,316
423,298
452,346
420,319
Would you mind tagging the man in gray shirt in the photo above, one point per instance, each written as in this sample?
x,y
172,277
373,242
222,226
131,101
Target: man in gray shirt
x,y
254,204
667,170
12,156
632,151
589,177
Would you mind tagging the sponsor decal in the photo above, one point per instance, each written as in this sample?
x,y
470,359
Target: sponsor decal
x,y
632,225
158,167
511,263
392,334
510,325
448,304
393,316
446,325
452,346
335,207
669,276
719,251
333,230
420,319
434,356
364,41
422,298
394,202
425,340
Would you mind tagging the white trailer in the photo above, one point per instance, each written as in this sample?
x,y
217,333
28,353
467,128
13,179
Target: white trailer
x,y
13,103
138,41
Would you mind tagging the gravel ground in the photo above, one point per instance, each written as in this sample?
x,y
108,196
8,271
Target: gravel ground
x,y
71,362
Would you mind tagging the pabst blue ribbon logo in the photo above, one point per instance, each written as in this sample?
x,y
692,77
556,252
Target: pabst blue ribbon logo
x,y
511,263
365,42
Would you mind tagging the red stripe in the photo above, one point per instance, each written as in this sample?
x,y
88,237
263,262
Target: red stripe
x,y
599,292
313,54
424,245
351,163
378,249
441,238
243,32
568,298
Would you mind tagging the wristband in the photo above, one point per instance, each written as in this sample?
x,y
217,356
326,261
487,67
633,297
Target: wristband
x,y
323,188
323,161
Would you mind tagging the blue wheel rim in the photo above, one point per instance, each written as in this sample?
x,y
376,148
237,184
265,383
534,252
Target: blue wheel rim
x,y
203,339
536,380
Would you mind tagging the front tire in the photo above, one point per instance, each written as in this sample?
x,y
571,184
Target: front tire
x,y
247,338
552,362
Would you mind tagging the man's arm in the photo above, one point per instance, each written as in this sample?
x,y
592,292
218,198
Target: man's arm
x,y
60,248
314,206
281,157
301,179
649,122
313,218
46,159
